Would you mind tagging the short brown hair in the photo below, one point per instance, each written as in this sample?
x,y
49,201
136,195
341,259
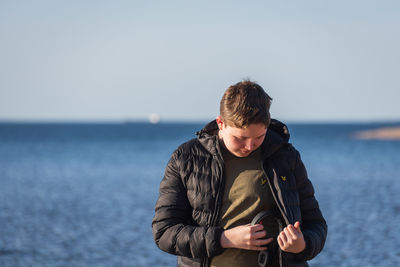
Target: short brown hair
x,y
245,103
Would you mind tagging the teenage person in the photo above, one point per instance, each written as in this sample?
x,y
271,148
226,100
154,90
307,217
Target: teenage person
x,y
214,185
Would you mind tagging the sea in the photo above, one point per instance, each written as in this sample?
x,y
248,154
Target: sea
x,y
83,194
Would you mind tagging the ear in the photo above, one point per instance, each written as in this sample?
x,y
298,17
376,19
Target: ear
x,y
219,122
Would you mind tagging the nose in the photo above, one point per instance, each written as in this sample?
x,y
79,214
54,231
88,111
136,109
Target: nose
x,y
250,144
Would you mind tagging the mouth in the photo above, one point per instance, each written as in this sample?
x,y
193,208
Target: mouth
x,y
245,152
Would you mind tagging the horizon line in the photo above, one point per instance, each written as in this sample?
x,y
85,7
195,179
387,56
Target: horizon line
x,y
182,120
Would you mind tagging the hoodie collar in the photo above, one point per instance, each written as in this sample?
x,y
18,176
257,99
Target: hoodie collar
x,y
277,136
208,137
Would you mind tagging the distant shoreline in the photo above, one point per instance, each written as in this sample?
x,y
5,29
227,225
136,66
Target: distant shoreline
x,y
385,133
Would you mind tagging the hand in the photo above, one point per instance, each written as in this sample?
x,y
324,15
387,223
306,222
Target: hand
x,y
291,239
245,237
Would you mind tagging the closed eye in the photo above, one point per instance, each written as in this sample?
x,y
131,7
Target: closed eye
x,y
244,138
240,138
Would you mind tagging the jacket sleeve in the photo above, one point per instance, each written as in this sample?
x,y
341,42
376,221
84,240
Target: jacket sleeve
x,y
313,227
174,230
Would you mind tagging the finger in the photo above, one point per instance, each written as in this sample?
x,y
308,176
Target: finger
x,y
291,231
257,248
258,235
256,228
263,242
297,226
283,237
259,244
280,242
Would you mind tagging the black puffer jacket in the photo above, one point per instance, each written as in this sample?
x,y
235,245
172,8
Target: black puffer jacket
x,y
187,210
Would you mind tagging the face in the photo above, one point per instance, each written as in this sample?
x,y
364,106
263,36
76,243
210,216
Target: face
x,y
241,141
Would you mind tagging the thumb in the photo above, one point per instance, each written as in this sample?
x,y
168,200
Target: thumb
x,y
297,226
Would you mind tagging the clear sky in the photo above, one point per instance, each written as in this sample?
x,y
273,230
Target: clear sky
x,y
124,60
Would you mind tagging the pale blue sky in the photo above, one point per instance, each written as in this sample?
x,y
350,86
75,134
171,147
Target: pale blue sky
x,y
119,60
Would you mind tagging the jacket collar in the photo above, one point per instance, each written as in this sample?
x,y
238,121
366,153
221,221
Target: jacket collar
x,y
277,136
208,137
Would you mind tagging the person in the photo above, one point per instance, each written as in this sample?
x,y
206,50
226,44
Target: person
x,y
214,185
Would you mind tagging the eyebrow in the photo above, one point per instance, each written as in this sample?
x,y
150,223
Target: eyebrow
x,y
245,137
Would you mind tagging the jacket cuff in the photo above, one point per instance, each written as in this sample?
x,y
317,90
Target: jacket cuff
x,y
214,247
301,256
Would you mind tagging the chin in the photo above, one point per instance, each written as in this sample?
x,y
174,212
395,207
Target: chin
x,y
243,154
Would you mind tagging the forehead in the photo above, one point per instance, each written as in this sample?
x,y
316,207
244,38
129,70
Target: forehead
x,y
253,130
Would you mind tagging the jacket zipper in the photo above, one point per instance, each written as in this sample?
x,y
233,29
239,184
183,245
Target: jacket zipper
x,y
278,203
279,207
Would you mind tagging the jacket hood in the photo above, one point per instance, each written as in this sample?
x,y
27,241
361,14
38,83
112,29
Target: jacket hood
x,y
277,136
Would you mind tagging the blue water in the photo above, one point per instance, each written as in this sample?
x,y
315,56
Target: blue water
x,y
84,194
